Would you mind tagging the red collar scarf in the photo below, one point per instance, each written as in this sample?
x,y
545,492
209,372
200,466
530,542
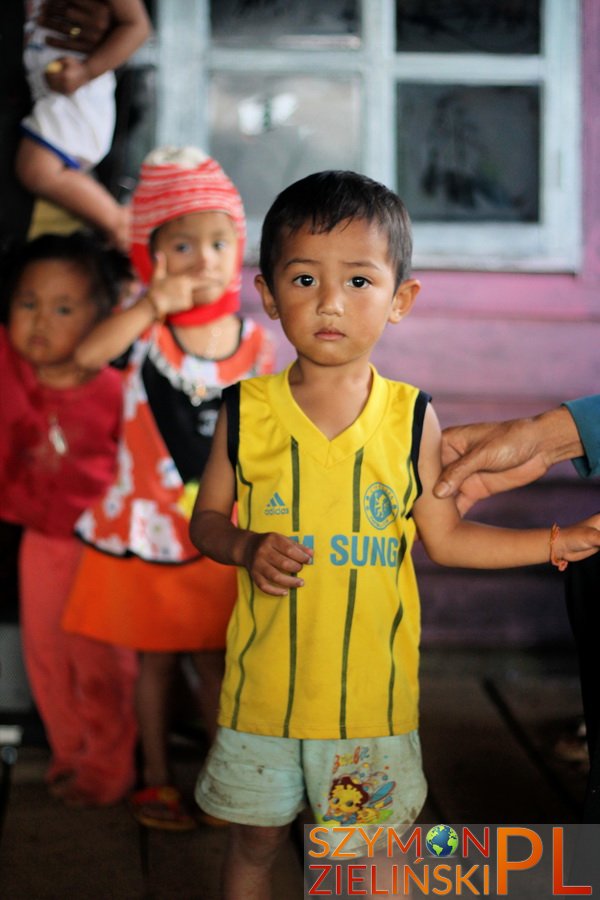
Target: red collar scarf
x,y
179,182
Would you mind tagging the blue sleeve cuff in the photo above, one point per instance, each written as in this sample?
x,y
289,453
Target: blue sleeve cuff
x,y
586,413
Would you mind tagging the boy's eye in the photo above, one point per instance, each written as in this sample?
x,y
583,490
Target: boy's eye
x,y
64,310
220,245
182,247
304,280
359,281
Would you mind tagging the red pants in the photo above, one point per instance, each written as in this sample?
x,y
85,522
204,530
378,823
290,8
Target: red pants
x,y
83,688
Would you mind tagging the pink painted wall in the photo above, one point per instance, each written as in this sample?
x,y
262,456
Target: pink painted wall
x,y
490,345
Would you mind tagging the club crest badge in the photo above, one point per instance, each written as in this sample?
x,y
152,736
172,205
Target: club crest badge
x,y
381,505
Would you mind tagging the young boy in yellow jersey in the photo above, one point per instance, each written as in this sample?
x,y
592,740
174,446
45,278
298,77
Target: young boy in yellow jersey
x,y
332,467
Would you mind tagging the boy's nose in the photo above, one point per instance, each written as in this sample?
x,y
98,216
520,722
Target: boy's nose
x,y
330,302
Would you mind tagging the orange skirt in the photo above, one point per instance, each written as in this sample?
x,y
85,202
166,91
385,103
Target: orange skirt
x,y
151,606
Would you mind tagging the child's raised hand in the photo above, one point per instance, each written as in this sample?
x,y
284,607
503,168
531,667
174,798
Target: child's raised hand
x,y
273,562
576,542
170,293
67,74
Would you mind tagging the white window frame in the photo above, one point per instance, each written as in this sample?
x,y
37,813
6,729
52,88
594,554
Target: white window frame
x,y
187,60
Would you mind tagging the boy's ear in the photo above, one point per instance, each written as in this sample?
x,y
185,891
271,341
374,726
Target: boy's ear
x,y
268,301
404,298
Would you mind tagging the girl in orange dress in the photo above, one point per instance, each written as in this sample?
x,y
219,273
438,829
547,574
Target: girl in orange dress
x,y
142,584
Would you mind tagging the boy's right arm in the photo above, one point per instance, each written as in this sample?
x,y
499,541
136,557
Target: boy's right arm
x,y
452,541
271,559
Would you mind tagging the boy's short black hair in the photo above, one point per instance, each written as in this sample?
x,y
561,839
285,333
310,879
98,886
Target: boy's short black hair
x,y
325,199
108,269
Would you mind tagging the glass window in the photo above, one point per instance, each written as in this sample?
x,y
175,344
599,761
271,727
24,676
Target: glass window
x,y
469,108
468,26
312,24
269,131
469,154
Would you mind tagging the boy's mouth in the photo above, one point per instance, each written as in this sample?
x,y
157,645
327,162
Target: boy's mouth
x,y
329,334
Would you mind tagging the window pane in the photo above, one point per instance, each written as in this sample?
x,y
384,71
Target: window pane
x,y
468,26
310,25
268,131
469,153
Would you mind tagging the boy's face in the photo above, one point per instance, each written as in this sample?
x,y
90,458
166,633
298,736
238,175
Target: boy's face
x,y
204,245
334,292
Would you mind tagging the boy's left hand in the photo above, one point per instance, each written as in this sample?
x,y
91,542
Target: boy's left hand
x,y
66,75
575,542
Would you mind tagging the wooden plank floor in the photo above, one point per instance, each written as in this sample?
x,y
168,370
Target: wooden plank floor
x,y
489,724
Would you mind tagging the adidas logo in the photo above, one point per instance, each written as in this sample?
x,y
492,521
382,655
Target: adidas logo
x,y
276,506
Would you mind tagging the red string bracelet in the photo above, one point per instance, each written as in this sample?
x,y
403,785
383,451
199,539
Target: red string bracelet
x,y
561,564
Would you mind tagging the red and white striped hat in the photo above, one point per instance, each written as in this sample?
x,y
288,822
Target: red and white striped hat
x,y
174,182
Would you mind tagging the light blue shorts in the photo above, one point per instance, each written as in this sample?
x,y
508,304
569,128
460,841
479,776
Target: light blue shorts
x,y
252,779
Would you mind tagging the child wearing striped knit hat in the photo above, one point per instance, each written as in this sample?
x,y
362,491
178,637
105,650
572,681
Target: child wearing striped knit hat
x,y
141,583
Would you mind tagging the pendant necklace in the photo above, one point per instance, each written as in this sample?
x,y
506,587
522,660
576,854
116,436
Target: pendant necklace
x,y
56,436
196,390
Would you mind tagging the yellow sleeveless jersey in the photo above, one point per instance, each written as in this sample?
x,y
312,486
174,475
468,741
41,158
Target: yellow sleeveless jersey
x,y
339,656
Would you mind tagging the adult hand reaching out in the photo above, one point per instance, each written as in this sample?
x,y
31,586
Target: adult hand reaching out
x,y
489,457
